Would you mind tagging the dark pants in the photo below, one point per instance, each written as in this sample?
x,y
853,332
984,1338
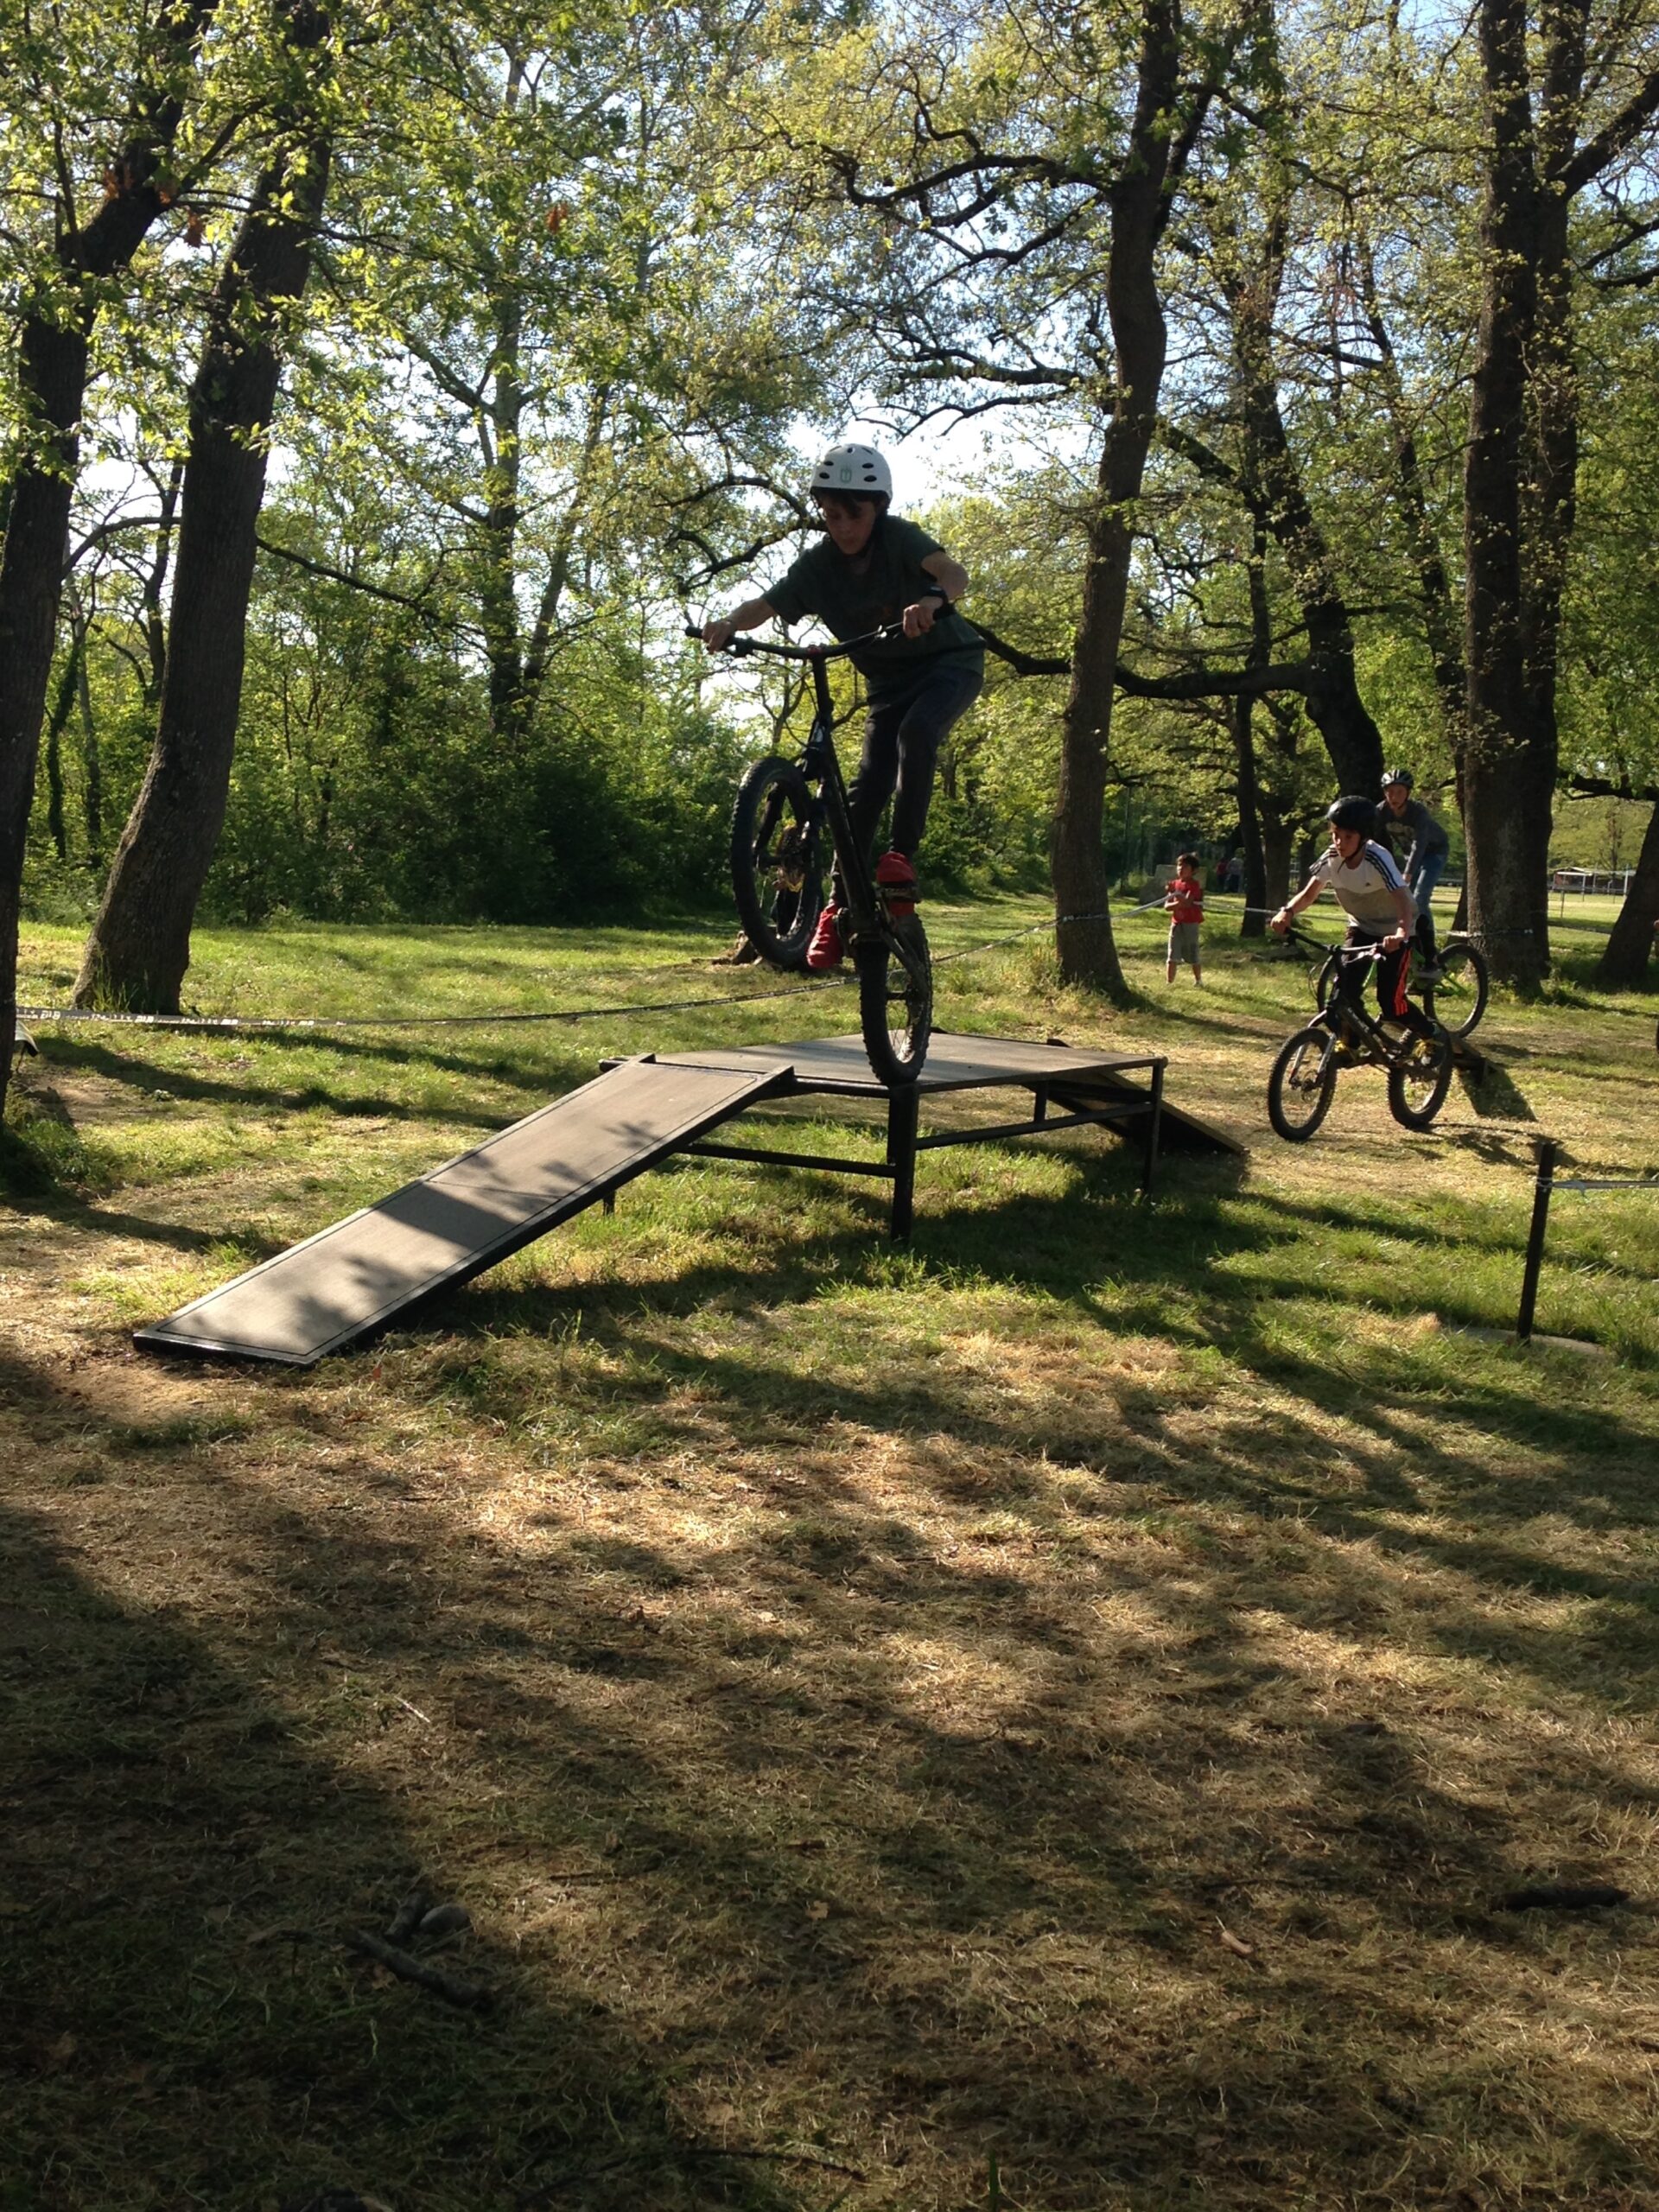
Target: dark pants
x,y
902,738
1392,973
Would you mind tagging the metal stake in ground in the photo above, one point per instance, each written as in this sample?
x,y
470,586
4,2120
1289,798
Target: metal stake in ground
x,y
1548,1152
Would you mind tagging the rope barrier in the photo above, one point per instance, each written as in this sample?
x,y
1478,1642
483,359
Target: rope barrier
x,y
285,1024
1545,1185
281,1024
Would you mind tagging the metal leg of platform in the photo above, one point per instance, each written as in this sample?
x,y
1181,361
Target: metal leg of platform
x,y
1155,1120
902,1110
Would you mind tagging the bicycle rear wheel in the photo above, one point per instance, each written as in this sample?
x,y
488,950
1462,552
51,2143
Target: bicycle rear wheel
x,y
1457,998
1419,1081
1303,1083
895,1000
1325,980
778,860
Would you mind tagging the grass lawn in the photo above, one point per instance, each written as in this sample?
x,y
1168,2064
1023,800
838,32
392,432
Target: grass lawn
x,y
1040,1718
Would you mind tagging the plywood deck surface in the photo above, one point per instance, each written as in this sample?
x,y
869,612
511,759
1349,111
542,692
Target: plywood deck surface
x,y
953,1063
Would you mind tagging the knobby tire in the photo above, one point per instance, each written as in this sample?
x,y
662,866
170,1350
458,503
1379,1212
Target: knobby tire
x,y
777,862
1462,990
895,1001
1418,1084
1303,1083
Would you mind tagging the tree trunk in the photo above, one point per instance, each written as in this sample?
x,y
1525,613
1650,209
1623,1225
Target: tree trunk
x,y
1333,697
52,361
1083,940
1254,920
155,627
1625,961
500,584
1519,475
1434,585
1278,836
92,765
55,722
139,948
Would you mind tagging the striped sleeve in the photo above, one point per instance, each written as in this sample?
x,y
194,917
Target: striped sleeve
x,y
1386,864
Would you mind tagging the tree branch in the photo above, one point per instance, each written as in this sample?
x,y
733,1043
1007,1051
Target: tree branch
x,y
419,606
1595,155
1600,787
1194,684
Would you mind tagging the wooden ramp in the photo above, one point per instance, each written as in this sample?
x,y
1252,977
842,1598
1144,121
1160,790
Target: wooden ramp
x,y
468,1215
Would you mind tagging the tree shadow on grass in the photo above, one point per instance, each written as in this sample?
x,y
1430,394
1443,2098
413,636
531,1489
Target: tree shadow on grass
x,y
920,1848
1127,1270
133,1071
177,1861
981,1915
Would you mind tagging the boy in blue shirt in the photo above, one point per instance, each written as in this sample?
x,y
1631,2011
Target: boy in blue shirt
x,y
872,568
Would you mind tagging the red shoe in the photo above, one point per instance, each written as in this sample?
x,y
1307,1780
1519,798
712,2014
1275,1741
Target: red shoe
x,y
896,876
826,950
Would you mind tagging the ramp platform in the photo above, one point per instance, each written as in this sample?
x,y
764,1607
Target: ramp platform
x,y
353,1279
464,1217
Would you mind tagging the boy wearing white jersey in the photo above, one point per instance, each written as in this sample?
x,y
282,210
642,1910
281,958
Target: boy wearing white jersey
x,y
1364,878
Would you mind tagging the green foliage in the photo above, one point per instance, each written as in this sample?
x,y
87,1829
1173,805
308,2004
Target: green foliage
x,y
587,288
385,792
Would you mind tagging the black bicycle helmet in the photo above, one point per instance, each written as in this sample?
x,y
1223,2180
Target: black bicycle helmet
x,y
1351,813
1397,776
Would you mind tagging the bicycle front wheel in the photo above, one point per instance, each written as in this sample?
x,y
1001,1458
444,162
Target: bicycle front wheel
x,y
1419,1081
1303,1083
895,1000
778,860
1457,998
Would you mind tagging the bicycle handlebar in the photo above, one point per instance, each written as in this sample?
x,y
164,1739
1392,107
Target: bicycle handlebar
x,y
739,646
1293,935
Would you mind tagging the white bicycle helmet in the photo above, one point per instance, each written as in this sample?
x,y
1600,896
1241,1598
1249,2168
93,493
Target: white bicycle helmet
x,y
856,471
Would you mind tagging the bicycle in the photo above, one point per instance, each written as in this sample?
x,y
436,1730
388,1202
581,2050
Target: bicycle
x,y
784,810
1303,1081
1454,987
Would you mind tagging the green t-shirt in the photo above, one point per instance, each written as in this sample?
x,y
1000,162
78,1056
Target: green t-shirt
x,y
849,597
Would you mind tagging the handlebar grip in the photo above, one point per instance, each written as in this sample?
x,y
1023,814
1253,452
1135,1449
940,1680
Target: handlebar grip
x,y
692,631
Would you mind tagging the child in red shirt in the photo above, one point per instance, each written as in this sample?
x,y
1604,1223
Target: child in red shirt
x,y
1184,896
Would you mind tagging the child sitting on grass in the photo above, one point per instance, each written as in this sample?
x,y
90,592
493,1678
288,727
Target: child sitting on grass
x,y
1184,896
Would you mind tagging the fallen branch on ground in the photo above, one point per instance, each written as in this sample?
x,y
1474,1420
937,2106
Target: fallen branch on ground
x,y
469,1995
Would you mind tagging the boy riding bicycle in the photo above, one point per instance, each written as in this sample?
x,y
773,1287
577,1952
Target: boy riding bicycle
x,y
874,567
1365,880
1399,816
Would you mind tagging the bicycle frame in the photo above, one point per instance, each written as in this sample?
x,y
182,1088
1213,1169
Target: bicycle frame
x,y
1345,1011
865,905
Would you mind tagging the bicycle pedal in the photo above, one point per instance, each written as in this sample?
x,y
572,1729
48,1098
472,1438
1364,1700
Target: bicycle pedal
x,y
899,910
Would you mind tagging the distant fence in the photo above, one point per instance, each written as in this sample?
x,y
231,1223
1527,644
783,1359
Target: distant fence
x,y
1612,881
1546,1185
